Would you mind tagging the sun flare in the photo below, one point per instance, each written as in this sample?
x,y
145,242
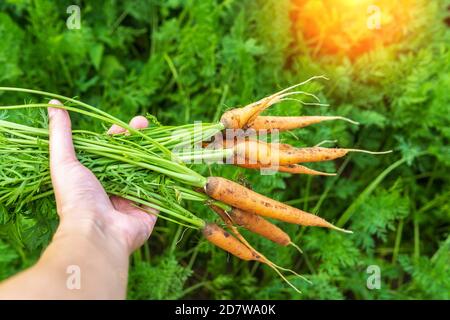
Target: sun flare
x,y
349,27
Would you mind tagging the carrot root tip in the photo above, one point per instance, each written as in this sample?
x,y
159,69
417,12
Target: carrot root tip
x,y
348,120
296,247
342,230
369,152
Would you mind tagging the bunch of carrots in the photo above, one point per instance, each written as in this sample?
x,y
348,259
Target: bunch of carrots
x,y
159,178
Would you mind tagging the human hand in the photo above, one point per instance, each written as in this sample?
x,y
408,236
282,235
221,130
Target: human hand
x,y
83,206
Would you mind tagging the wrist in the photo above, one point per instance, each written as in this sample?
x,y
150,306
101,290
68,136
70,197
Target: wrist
x,y
102,261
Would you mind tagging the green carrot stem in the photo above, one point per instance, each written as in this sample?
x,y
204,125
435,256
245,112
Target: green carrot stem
x,y
108,118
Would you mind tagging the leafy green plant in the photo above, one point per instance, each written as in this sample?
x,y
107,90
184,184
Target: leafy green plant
x,y
191,60
163,280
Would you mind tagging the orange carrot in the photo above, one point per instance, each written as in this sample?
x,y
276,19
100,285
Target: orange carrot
x,y
259,225
291,168
255,224
252,151
240,197
288,123
298,169
219,237
243,118
240,247
316,154
313,154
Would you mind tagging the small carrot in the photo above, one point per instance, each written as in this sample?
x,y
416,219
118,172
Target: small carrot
x,y
252,151
243,250
259,225
221,238
255,224
240,197
291,168
298,169
243,118
316,154
288,123
312,154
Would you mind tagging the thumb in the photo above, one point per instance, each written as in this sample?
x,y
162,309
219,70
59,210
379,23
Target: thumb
x,y
60,136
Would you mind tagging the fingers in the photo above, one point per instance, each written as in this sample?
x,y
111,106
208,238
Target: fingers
x,y
60,136
115,129
138,122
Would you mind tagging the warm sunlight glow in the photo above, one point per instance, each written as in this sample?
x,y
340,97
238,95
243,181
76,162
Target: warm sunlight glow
x,y
349,27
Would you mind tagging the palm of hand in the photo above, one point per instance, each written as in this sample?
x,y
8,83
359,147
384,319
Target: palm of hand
x,y
80,197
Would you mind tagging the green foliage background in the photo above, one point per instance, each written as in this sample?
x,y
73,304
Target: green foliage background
x,y
187,60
